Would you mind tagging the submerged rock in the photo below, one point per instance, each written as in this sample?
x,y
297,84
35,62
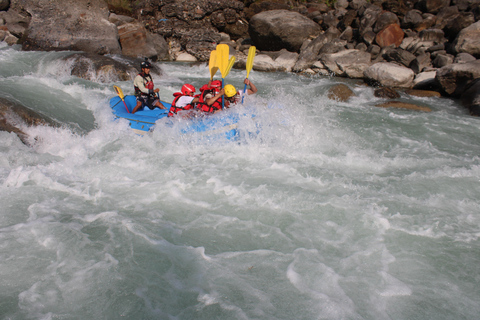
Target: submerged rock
x,y
403,105
101,69
340,92
15,118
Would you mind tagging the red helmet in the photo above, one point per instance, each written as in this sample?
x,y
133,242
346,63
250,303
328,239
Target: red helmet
x,y
187,89
216,84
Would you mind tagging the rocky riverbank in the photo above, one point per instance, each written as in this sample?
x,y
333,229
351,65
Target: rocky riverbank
x,y
421,44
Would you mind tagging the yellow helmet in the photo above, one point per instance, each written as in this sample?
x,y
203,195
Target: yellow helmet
x,y
230,91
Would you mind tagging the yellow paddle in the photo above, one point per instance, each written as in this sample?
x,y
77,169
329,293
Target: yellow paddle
x,y
223,51
230,65
119,91
251,56
212,64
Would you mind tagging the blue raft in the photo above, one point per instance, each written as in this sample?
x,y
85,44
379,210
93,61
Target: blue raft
x,y
208,126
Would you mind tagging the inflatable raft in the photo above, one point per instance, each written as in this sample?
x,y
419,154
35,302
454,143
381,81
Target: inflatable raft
x,y
209,126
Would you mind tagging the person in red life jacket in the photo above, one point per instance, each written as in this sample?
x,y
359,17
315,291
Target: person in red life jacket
x,y
144,91
184,100
233,96
211,97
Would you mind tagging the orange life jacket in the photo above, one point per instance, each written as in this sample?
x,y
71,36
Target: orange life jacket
x,y
174,108
202,104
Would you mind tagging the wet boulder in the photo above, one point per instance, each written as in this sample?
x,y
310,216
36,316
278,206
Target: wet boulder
x,y
101,69
403,105
455,78
15,118
340,92
471,98
389,74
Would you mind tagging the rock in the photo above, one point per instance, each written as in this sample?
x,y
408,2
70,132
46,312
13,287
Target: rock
x,y
15,23
433,6
392,34
428,22
463,58
351,63
455,78
279,29
468,40
369,37
453,27
185,57
403,105
286,60
159,45
15,117
4,4
423,93
264,62
309,54
471,98
340,92
425,80
358,5
421,62
369,17
386,93
264,5
334,46
133,39
412,19
389,74
374,51
442,60
401,56
385,19
10,39
434,35
99,68
118,20
80,25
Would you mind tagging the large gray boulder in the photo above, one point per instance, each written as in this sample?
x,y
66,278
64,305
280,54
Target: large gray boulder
x,y
68,25
281,29
309,55
389,74
348,63
455,78
468,40
471,98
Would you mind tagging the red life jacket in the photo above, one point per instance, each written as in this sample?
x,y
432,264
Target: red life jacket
x,y
202,104
147,82
174,108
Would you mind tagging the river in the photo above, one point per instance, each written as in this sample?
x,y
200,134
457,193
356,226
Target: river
x,y
329,210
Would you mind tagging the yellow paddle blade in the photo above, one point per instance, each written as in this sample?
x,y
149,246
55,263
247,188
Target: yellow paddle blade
x,y
251,56
119,91
230,65
223,51
212,64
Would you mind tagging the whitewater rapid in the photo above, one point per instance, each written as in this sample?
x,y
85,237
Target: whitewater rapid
x,y
331,210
